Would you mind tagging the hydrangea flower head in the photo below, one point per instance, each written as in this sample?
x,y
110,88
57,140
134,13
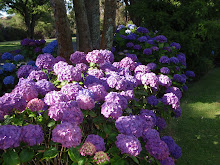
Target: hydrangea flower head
x,y
71,90
117,98
147,51
85,99
54,97
179,78
182,58
132,56
45,61
149,116
32,134
129,45
164,60
101,157
161,39
18,57
96,72
174,60
78,57
171,99
87,149
189,73
108,55
152,66
131,36
95,56
167,161
137,47
58,67
69,73
174,90
67,134
142,30
160,123
44,86
127,62
24,71
99,91
74,115
165,70
150,134
128,144
9,67
35,104
142,39
7,56
97,141
37,75
152,100
142,69
175,45
110,109
9,80
150,79
164,80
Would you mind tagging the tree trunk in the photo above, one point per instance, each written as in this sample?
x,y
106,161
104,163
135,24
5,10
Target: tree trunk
x,y
93,16
64,39
109,24
83,32
28,24
32,26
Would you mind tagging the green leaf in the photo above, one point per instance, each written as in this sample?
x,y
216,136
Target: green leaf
x,y
92,114
11,158
74,154
52,123
50,153
26,155
81,161
135,159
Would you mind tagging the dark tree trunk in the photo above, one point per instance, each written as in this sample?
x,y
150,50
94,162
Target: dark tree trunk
x,y
32,26
64,39
83,32
109,24
134,18
93,16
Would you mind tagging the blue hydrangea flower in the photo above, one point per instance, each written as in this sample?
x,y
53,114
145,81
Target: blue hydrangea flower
x,y
18,57
8,80
9,67
7,56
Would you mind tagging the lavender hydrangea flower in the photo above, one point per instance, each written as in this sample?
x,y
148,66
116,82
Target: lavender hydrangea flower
x,y
98,90
58,67
18,57
129,45
95,56
59,58
130,125
111,109
96,72
161,39
167,161
190,73
97,141
24,71
150,134
164,81
177,152
149,116
67,134
78,57
107,67
101,157
165,70
132,56
7,56
45,61
174,90
10,136
127,62
160,123
116,81
32,134
142,39
128,94
150,79
37,75
82,67
54,97
182,58
170,142
73,115
152,66
85,99
175,45
152,100
164,60
147,51
69,73
179,78
142,69
108,56
35,104
142,30
8,80
171,99
174,60
9,67
157,148
87,149
137,47
128,144
71,90
117,98
44,86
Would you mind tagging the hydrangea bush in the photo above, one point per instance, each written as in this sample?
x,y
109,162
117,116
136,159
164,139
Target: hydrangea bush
x,y
93,111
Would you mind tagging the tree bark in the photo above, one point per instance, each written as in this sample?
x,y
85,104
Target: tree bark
x,y
83,32
64,39
109,24
93,16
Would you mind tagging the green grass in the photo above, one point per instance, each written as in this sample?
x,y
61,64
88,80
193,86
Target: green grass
x,y
13,45
197,131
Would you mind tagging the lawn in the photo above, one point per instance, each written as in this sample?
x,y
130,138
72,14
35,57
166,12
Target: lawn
x,y
197,132
13,45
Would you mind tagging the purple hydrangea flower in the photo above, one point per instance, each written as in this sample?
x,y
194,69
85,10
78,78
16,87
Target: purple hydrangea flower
x,y
131,36
127,62
154,48
177,68
150,134
129,45
73,115
147,51
101,157
44,86
87,149
179,78
7,56
59,58
177,153
45,61
8,80
85,99
164,60
108,55
171,99
37,75
107,67
35,104
99,91
142,69
130,125
150,41
67,134
31,62
71,90
185,88
149,116
174,60
97,141
182,59
32,134
150,79
160,123
161,38
142,30
37,50
69,73
128,144
96,72
54,97
9,67
117,98
164,81
58,67
111,109
152,100
152,66
82,67
189,73
137,47
174,90
132,56
167,48
10,136
118,82
167,161
18,57
170,142
95,56
128,94
175,45
78,57
165,70
157,148
142,39
24,71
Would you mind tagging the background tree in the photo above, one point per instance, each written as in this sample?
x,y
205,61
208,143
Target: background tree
x,y
31,11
